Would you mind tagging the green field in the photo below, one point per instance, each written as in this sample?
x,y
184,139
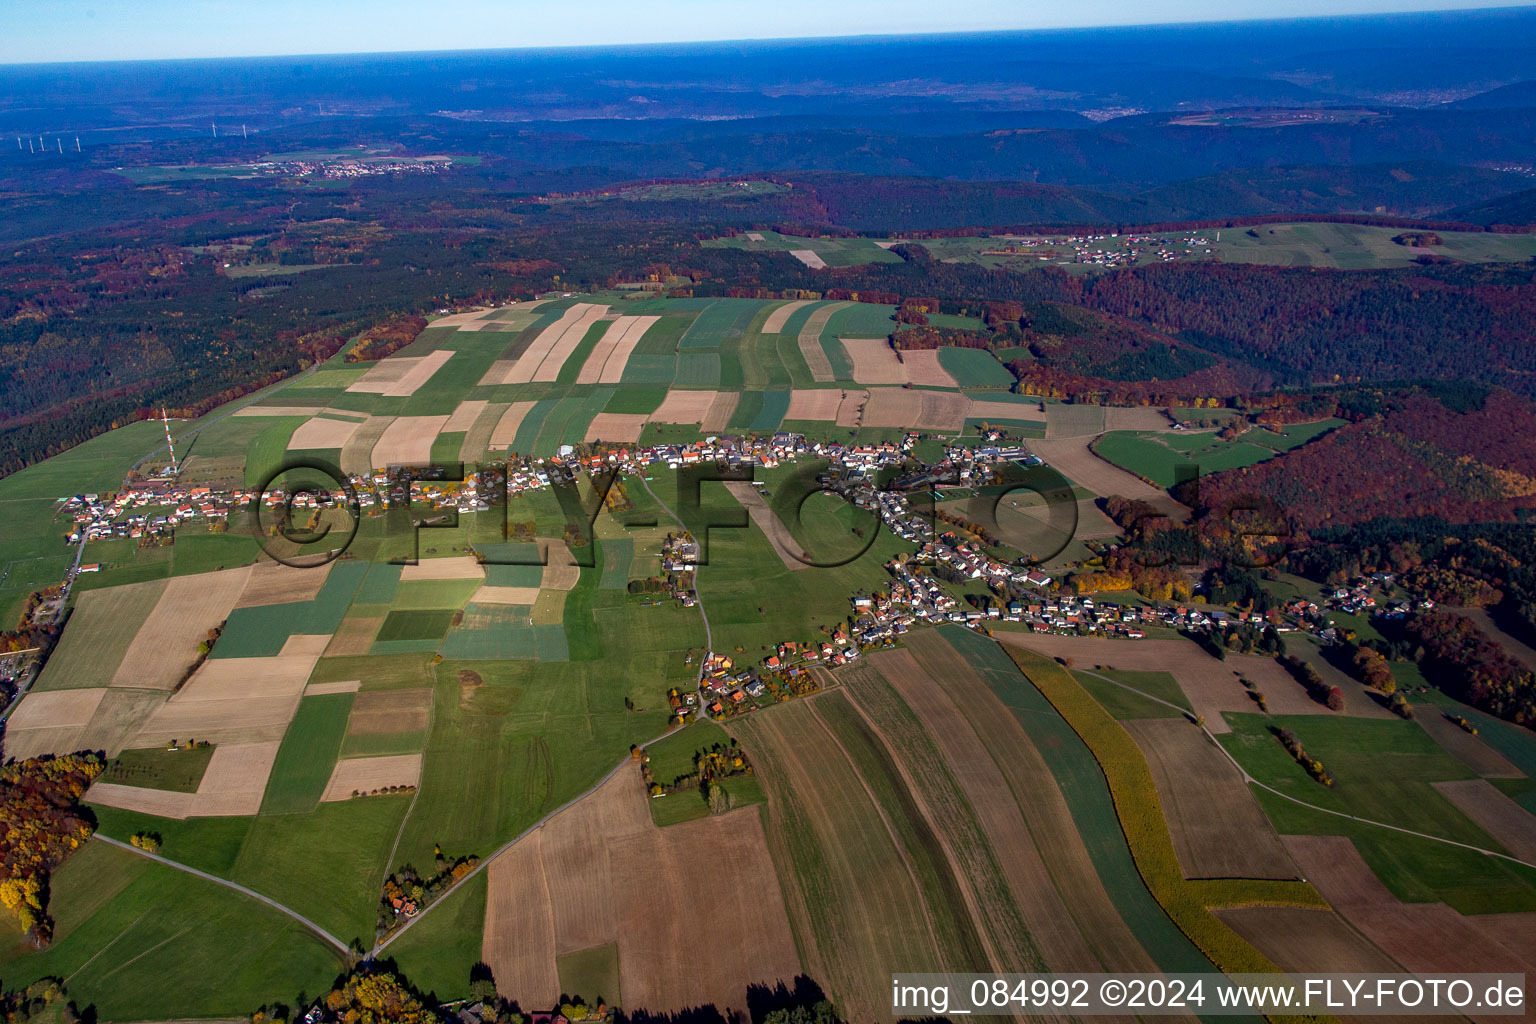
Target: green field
x,y
975,368
438,953
1383,771
591,974
1156,457
416,625
835,252
673,757
140,940
178,771
307,755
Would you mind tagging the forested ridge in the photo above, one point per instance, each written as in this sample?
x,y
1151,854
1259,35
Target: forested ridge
x,y
126,308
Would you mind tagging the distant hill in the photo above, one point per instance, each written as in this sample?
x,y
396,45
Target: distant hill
x,y
1417,188
1519,208
1520,94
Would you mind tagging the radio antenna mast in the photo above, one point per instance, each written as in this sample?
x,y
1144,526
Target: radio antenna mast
x,y
166,422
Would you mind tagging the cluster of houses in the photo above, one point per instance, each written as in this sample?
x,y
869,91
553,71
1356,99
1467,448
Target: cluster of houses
x,y
165,505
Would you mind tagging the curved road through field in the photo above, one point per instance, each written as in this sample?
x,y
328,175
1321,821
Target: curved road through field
x,y
341,947
1185,712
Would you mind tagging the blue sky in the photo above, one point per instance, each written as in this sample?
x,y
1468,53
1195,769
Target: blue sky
x,y
61,30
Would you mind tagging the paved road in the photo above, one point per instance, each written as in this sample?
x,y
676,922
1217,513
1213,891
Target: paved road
x,y
1286,796
341,947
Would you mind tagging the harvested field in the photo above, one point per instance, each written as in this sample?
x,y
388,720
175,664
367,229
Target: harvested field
x,y
385,711
323,432
457,567
781,314
280,410
160,802
166,645
892,407
684,407
401,376
407,441
237,700
354,635
505,595
851,886
809,258
1063,420
232,720
98,635
1085,469
560,569
605,364
720,411
814,404
1029,827
460,319
284,675
1219,830
592,369
505,432
1136,417
530,366
850,411
560,351
601,872
754,236
1423,937
119,715
809,340
49,722
874,361
616,426
1304,940
1212,686
477,440
613,369
1470,750
1506,821
363,774
1007,411
231,787
275,583
357,453
519,938
464,415
784,543
235,780
340,686
942,410
921,366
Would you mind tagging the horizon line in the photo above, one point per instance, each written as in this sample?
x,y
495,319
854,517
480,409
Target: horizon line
x,y
1503,9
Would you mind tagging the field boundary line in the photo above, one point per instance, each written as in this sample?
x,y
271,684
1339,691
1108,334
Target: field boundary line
x,y
890,829
341,947
1188,715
